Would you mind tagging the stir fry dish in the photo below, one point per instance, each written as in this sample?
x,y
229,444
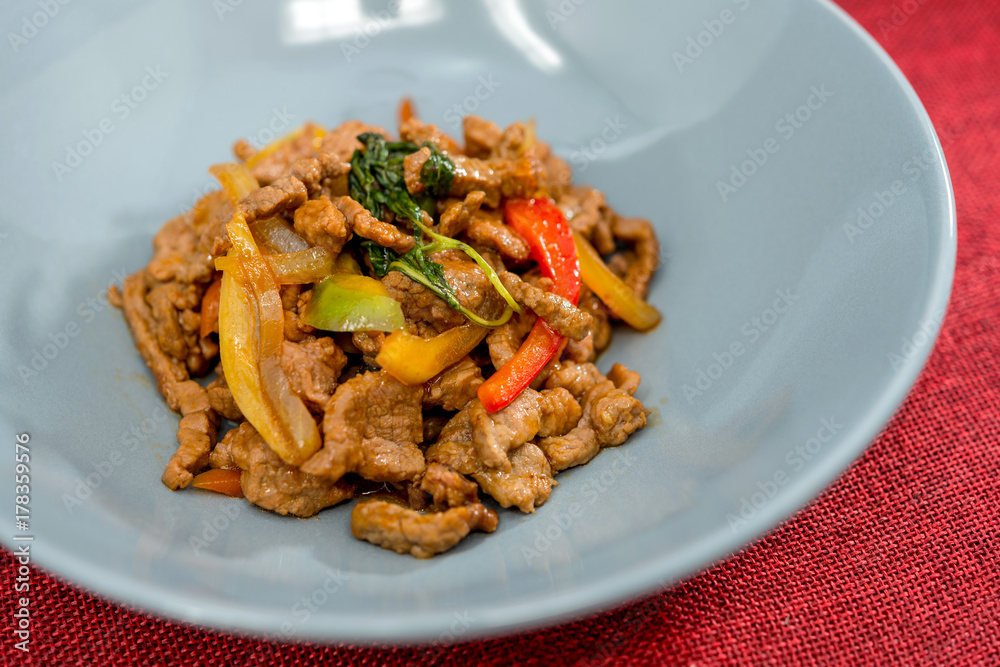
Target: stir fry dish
x,y
411,322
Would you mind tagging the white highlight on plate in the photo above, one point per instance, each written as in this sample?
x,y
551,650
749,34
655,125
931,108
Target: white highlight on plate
x,y
508,16
309,21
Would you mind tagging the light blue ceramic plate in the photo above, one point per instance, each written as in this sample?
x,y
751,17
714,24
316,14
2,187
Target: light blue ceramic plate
x,y
797,185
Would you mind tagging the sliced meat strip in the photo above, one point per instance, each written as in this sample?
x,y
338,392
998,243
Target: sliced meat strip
x,y
504,341
342,141
221,398
243,150
326,170
177,255
196,434
275,166
371,424
447,487
412,166
139,316
559,412
581,351
610,415
560,176
283,195
495,434
457,215
454,387
418,132
270,483
369,344
365,224
486,228
587,213
471,286
312,368
561,315
420,305
625,379
319,223
576,378
481,136
528,484
639,232
407,531
600,322
389,461
475,174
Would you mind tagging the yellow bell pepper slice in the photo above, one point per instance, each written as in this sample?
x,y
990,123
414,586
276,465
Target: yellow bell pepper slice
x,y
414,360
616,295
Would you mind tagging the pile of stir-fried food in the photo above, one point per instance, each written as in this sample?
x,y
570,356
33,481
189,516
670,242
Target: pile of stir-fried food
x,y
411,322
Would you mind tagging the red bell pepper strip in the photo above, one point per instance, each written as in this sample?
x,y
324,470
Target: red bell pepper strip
x,y
220,481
543,226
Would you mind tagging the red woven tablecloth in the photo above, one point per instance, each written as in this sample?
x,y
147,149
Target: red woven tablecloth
x,y
895,564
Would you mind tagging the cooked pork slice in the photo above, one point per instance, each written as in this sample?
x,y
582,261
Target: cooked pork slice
x,y
371,425
321,224
312,368
561,315
273,167
528,484
639,232
270,483
284,195
487,229
453,388
481,136
418,132
524,481
495,434
196,434
576,378
610,415
363,223
407,531
458,213
447,487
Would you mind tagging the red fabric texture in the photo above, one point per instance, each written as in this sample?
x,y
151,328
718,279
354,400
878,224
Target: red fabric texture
x,y
896,563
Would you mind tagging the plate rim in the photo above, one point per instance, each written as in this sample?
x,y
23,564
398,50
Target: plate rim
x,y
602,594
